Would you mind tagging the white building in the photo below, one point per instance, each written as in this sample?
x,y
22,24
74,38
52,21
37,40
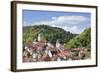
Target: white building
x,y
57,44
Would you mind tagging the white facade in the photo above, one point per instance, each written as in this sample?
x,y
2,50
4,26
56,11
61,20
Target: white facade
x,y
57,44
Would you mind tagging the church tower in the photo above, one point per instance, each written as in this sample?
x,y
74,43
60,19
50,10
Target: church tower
x,y
39,38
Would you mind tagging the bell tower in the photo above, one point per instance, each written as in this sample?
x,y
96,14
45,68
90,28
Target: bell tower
x,y
39,37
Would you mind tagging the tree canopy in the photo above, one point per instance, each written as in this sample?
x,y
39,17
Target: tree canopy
x,y
52,34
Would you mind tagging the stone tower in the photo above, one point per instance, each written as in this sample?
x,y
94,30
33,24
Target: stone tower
x,y
39,38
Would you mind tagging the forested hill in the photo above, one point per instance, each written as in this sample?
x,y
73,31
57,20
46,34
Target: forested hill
x,y
82,40
51,34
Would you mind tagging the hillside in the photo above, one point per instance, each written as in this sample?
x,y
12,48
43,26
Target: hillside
x,y
82,40
51,34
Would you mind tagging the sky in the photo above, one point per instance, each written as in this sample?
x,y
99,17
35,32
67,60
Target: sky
x,y
75,22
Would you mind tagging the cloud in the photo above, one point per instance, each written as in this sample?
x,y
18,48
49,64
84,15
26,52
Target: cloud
x,y
26,24
69,19
73,29
62,20
68,23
